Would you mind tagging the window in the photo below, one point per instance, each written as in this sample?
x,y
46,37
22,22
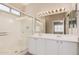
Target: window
x,y
72,24
4,8
15,12
10,10
58,27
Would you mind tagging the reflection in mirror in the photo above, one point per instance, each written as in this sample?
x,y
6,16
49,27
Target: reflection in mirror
x,y
58,28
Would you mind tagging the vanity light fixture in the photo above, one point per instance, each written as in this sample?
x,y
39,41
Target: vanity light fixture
x,y
56,10
40,14
63,8
43,14
60,9
46,13
52,12
49,12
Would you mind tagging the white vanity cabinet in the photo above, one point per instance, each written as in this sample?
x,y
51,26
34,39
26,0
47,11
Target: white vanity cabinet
x,y
53,46
32,46
56,47
41,45
68,48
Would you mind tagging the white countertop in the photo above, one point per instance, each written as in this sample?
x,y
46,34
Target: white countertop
x,y
66,37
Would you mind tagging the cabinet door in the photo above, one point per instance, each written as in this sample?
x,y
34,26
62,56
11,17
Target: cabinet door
x,y
51,47
40,46
68,48
32,46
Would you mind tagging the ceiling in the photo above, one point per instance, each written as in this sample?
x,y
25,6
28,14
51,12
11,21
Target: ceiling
x,y
34,8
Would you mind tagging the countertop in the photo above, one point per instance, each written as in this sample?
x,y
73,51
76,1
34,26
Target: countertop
x,y
64,37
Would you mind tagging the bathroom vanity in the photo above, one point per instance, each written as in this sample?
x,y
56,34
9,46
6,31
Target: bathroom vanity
x,y
51,44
